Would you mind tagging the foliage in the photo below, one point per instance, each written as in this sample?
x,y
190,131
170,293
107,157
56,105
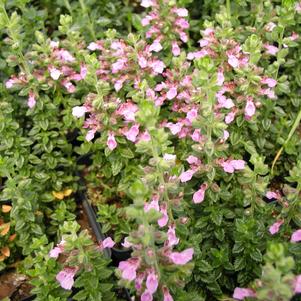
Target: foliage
x,y
190,118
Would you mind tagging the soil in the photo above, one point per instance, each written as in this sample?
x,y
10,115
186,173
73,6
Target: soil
x,y
14,286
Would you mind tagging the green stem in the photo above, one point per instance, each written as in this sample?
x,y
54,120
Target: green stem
x,y
228,4
90,24
291,133
161,179
15,39
68,6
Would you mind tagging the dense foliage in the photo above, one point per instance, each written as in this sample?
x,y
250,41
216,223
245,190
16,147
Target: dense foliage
x,y
189,112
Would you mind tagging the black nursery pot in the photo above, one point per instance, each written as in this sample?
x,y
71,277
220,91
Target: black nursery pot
x,y
33,298
120,255
115,254
297,297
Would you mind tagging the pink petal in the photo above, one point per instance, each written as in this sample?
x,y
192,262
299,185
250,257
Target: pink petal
x,y
241,293
296,236
181,258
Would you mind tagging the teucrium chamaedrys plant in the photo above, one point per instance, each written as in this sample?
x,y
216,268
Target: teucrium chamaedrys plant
x,y
182,137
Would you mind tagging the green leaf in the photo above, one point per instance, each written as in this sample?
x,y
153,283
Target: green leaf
x,y
256,255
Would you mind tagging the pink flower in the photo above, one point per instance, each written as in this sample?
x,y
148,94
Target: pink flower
x,y
90,135
157,66
126,243
11,82
147,3
146,20
93,46
250,109
238,164
119,65
196,135
164,219
65,277
146,296
208,31
55,73
79,111
296,236
142,61
275,227
175,49
128,268
203,42
298,7
270,49
128,111
145,136
172,93
294,36
193,160
31,102
65,55
152,282
186,175
230,166
69,86
55,252
167,296
174,128
54,44
139,281
171,236
269,81
83,71
156,46
183,36
233,61
154,204
108,243
230,117
181,12
198,196
270,26
272,195
132,133
182,23
220,77
241,293
192,114
118,85
169,157
111,142
225,102
226,135
297,284
181,258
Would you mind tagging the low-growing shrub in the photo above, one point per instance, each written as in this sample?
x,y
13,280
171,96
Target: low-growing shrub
x,y
193,143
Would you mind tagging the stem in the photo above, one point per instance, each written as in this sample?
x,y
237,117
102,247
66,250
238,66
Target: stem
x,y
291,133
68,6
228,4
15,39
161,179
90,24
